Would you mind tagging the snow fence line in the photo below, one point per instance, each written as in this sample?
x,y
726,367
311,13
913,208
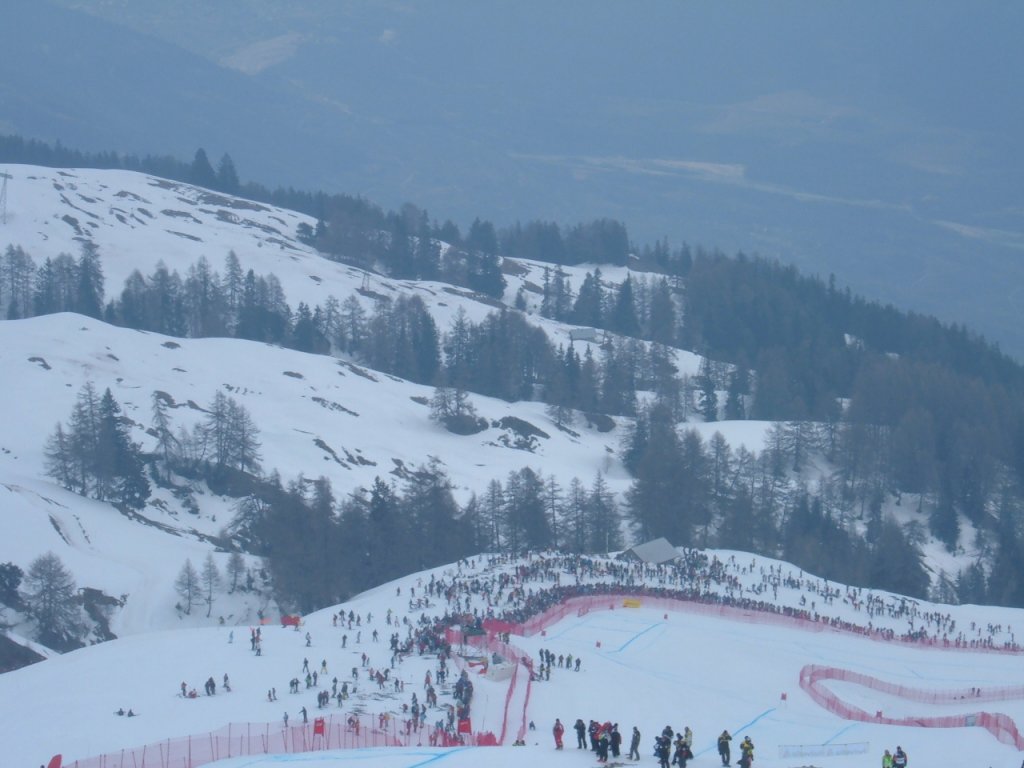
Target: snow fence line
x,y
253,739
823,750
1002,727
627,599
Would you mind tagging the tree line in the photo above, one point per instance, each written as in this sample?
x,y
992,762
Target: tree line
x,y
912,408
321,550
940,426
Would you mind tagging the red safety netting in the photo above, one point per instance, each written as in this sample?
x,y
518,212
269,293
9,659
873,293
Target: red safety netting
x,y
242,739
999,725
613,600
490,642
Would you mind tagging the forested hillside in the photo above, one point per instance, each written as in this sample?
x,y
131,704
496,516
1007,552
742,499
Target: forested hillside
x,y
892,429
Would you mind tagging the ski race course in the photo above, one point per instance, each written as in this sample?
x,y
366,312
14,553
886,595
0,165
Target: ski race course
x,y
806,693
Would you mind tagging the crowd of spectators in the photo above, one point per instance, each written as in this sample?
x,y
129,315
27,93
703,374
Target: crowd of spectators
x,y
510,589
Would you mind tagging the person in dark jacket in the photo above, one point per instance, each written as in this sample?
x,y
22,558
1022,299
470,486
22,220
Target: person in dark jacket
x,y
581,733
723,747
615,740
603,740
634,744
662,748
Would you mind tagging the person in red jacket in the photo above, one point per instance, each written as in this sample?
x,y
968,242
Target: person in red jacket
x,y
558,730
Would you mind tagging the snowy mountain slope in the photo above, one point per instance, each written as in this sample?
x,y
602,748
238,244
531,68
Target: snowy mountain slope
x,y
137,220
317,415
640,665
134,563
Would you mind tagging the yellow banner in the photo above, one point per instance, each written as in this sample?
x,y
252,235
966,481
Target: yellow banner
x,y
631,602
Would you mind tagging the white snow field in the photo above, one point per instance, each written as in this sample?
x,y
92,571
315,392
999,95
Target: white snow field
x,y
642,666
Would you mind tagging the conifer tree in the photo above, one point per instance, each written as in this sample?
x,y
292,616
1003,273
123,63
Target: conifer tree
x,y
49,598
209,580
589,306
623,317
117,465
17,280
89,291
60,459
235,570
187,586
227,176
603,518
662,321
201,173
166,442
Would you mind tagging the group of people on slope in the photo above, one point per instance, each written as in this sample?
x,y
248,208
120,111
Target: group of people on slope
x,y
663,747
898,759
604,738
746,750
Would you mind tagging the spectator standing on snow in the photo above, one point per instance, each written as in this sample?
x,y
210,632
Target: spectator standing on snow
x,y
558,730
899,759
634,744
662,747
581,732
603,740
887,760
682,753
723,747
747,748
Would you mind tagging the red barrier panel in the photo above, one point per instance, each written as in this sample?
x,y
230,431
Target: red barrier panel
x,y
244,739
999,725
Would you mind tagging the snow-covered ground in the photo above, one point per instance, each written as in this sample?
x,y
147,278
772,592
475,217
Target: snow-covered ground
x,y
317,416
138,220
641,666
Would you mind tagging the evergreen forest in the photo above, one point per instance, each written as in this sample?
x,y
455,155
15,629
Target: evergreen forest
x,y
903,408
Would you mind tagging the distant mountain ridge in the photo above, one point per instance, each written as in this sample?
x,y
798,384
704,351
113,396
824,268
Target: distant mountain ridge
x,y
830,141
